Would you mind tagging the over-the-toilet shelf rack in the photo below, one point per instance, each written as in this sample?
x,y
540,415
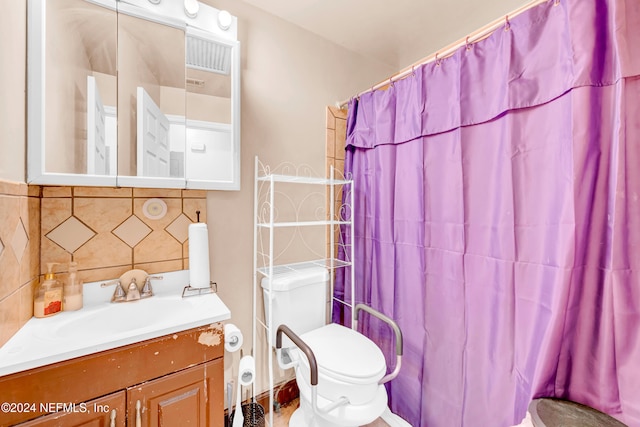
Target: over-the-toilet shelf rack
x,y
267,226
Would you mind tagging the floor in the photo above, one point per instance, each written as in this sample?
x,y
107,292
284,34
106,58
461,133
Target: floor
x,y
281,419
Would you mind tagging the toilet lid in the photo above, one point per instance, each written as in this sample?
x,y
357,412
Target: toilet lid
x,y
345,354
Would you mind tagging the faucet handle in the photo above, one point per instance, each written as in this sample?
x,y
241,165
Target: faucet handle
x,y
109,283
147,291
119,294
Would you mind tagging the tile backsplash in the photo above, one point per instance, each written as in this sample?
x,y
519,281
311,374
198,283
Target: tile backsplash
x,y
19,254
107,231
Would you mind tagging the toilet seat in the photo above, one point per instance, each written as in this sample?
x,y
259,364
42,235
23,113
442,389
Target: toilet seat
x,y
345,355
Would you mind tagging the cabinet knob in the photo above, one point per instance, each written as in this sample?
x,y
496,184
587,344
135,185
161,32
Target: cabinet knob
x,y
112,417
138,416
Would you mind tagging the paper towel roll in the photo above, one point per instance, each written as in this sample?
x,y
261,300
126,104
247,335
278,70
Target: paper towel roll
x,y
232,338
247,370
199,256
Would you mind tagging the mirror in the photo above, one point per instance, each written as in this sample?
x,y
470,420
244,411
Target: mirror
x,y
133,93
72,75
151,102
211,127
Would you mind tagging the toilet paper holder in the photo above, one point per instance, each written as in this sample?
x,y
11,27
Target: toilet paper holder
x,y
190,291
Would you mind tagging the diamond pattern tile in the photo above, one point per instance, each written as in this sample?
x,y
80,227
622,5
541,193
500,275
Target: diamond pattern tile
x,y
132,231
20,240
179,228
71,234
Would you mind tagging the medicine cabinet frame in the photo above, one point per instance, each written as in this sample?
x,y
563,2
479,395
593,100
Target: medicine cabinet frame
x,y
36,92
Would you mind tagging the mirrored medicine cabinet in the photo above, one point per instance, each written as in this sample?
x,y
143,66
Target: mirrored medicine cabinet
x,y
133,93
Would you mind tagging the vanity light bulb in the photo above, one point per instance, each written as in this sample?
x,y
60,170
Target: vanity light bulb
x,y
191,8
224,20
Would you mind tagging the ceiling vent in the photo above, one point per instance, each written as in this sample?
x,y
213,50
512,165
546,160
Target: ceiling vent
x,y
208,55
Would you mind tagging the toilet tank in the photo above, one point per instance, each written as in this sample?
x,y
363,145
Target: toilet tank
x,y
299,300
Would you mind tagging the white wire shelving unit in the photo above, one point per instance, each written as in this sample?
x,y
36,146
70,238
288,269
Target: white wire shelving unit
x,y
276,211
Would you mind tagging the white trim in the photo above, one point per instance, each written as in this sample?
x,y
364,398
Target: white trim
x,y
235,113
110,111
109,4
36,25
71,179
150,182
215,126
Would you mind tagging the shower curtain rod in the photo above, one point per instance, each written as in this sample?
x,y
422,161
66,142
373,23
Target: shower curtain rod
x,y
474,37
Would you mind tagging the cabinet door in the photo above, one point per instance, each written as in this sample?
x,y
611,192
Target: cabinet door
x,y
192,397
95,413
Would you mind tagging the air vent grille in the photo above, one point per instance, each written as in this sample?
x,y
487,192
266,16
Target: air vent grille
x,y
208,55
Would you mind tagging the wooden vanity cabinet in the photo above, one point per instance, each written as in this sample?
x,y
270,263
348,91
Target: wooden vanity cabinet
x,y
95,413
178,380
180,399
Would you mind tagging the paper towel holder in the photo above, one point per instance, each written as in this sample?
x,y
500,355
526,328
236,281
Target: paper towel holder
x,y
190,291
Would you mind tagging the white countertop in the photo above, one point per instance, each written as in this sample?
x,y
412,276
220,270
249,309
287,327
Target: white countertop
x,y
101,325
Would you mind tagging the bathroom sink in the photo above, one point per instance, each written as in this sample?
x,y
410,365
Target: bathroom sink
x,y
101,325
120,318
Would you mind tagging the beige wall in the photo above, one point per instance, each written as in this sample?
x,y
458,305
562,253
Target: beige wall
x,y
13,48
289,76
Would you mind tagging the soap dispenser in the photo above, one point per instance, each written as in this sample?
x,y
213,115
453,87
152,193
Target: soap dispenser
x,y
48,295
72,289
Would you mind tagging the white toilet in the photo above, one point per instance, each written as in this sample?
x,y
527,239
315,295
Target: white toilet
x,y
350,367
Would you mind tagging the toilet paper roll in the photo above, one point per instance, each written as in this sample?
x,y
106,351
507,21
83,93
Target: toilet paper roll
x,y
232,338
247,370
199,256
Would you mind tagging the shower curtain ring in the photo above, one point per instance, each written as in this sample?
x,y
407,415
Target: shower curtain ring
x,y
466,42
413,71
391,81
507,24
437,60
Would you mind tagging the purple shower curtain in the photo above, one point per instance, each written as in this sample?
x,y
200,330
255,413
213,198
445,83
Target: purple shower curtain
x,y
497,219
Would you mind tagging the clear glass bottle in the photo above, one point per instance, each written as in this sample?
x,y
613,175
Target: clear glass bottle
x,y
47,300
72,290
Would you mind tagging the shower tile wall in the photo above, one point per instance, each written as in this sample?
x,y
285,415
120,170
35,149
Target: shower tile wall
x,y
19,254
107,233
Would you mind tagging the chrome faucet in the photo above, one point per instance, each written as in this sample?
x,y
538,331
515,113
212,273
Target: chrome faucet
x,y
132,293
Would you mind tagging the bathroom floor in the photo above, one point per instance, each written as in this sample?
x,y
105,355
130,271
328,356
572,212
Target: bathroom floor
x,y
281,419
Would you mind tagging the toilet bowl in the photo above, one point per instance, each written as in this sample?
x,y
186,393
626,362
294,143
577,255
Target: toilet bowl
x,y
339,371
349,366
